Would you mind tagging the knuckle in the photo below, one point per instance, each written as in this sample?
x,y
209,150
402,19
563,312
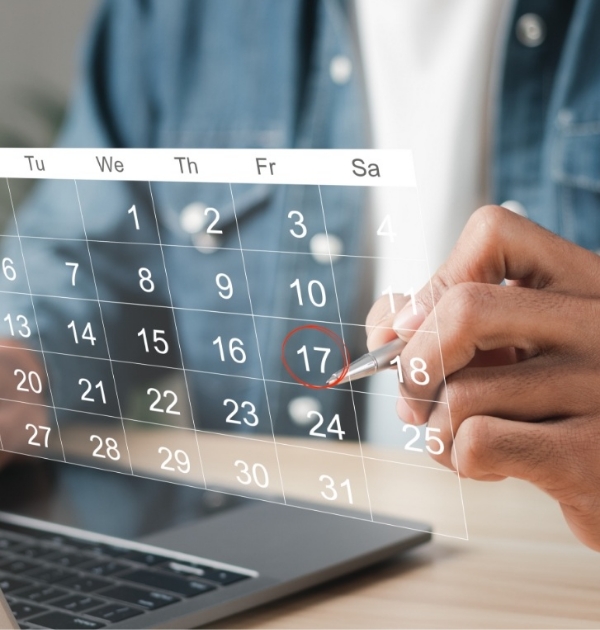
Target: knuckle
x,y
471,443
463,304
488,221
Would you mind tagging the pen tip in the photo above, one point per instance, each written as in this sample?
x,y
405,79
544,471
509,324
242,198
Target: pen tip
x,y
333,378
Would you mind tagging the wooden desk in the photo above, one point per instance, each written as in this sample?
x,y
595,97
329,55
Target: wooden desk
x,y
521,567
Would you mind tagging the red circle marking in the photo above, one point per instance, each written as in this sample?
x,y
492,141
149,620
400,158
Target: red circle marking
x,y
338,341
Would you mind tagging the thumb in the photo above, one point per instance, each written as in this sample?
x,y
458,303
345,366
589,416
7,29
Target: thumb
x,y
487,448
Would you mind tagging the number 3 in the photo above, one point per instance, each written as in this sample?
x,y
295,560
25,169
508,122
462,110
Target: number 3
x,y
300,223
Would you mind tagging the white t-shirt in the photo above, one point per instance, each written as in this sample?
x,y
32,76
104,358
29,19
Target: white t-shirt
x,y
429,67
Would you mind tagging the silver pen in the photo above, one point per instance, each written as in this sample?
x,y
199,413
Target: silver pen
x,y
370,363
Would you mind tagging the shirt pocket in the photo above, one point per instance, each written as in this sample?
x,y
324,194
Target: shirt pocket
x,y
576,179
577,156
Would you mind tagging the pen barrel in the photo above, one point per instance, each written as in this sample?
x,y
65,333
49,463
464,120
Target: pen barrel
x,y
386,354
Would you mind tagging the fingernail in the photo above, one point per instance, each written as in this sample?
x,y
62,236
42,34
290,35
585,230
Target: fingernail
x,y
404,411
408,320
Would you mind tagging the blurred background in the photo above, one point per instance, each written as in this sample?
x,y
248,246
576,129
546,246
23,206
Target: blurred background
x,y
40,45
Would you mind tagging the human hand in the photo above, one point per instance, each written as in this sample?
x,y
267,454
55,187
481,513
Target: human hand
x,y
521,361
18,408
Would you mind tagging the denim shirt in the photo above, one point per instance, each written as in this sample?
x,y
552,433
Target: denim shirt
x,y
241,74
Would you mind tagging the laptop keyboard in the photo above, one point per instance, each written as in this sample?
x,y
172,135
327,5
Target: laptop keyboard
x,y
55,581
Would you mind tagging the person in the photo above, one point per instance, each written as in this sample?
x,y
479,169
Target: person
x,y
519,359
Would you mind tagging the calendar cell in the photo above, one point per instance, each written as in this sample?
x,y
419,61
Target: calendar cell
x,y
83,385
321,419
13,277
66,272
72,327
96,441
397,441
336,482
218,287
17,322
223,343
133,274
39,436
393,229
296,227
25,377
51,212
201,215
145,334
164,453
396,492
243,466
228,404
116,211
301,352
152,394
405,278
302,289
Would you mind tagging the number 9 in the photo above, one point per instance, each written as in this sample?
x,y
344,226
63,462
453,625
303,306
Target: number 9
x,y
224,283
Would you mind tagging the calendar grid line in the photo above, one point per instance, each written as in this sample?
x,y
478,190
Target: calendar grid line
x,y
293,449
187,389
241,436
35,315
215,248
337,300
103,325
462,500
220,490
237,225
149,422
203,310
242,376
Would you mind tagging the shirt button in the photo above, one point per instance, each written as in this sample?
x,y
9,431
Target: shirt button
x,y
206,243
515,206
192,217
531,30
325,249
340,69
299,408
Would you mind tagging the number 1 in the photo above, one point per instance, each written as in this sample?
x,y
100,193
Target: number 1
x,y
133,211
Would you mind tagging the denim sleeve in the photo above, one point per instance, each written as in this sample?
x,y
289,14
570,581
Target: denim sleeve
x,y
111,108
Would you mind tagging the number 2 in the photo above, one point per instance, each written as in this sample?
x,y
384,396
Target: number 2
x,y
159,396
32,439
245,405
110,446
86,394
181,458
211,228
334,425
428,438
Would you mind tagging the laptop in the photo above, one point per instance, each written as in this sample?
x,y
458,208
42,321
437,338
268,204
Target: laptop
x,y
241,554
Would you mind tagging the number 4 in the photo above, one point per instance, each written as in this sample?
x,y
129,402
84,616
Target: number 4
x,y
334,425
385,229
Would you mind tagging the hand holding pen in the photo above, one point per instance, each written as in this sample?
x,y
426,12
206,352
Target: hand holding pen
x,y
519,391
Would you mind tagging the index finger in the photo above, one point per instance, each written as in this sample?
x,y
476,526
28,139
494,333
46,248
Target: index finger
x,y
497,244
